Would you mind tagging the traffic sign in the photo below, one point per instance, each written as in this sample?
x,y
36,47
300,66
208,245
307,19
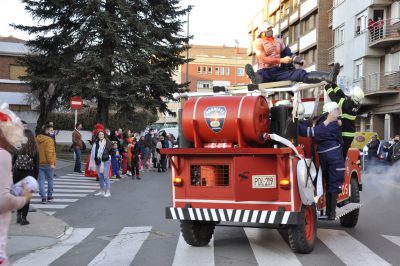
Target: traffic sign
x,y
76,102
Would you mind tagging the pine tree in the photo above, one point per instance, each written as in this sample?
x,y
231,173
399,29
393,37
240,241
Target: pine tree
x,y
120,52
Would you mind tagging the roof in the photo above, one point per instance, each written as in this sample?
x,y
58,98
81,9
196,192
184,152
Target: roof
x,y
13,48
217,51
17,98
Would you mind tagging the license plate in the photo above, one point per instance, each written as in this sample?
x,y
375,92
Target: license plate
x,y
264,181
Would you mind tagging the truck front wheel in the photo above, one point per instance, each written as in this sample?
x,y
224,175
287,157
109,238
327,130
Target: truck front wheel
x,y
302,237
197,233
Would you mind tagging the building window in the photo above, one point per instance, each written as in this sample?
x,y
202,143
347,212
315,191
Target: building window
x,y
198,70
204,84
361,23
309,56
337,2
294,32
339,35
285,37
216,71
240,71
221,70
204,70
209,70
227,71
308,24
358,69
17,71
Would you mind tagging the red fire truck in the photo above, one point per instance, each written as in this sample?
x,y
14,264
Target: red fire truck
x,y
242,163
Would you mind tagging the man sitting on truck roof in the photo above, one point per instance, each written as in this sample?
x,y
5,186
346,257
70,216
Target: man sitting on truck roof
x,y
327,133
275,60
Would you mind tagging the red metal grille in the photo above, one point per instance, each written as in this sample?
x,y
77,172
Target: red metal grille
x,y
209,175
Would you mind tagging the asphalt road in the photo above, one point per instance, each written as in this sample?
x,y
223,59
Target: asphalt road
x,y
137,206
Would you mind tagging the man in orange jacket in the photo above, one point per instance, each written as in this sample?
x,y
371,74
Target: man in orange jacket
x,y
47,163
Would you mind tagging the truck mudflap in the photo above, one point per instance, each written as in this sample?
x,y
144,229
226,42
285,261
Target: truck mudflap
x,y
230,215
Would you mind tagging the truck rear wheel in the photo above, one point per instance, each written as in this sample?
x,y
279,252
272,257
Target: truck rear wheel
x,y
351,219
302,237
197,233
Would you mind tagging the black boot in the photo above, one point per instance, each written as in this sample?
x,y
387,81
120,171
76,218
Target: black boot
x,y
328,197
19,218
24,221
333,201
318,76
253,76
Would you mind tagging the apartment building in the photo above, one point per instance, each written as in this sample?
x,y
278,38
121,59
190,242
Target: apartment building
x,y
303,26
367,44
12,90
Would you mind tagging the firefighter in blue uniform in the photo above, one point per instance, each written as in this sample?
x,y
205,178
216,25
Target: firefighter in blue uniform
x,y
327,133
348,107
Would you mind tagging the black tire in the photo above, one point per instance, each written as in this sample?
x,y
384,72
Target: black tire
x,y
302,237
351,219
197,233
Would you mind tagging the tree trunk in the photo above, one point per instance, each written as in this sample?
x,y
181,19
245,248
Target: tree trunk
x,y
43,114
102,110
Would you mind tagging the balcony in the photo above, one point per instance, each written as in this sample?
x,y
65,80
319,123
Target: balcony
x,y
330,17
380,84
384,34
331,56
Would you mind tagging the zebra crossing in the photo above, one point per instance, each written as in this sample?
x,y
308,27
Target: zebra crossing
x,y
267,245
68,189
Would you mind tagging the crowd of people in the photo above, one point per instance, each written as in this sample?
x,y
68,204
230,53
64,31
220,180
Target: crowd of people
x,y
117,152
387,152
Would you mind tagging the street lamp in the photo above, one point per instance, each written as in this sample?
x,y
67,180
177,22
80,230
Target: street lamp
x,y
187,45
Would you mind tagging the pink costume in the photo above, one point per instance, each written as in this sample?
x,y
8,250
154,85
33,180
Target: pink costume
x,y
8,202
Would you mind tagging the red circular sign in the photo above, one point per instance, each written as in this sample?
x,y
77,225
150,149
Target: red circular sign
x,y
76,102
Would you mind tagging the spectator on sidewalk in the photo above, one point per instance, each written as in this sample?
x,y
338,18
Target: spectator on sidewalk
x,y
154,141
115,159
47,163
147,149
136,150
77,144
25,163
101,157
11,137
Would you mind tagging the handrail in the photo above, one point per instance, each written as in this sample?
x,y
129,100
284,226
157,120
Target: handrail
x,y
382,29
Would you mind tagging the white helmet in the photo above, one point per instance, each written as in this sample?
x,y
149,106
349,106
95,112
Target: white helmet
x,y
283,103
300,111
357,94
266,25
329,107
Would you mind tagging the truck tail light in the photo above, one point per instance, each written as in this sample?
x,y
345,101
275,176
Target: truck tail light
x,y
178,181
284,184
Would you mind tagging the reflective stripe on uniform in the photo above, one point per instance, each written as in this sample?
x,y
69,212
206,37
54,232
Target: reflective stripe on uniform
x,y
336,89
312,132
350,117
340,103
308,132
340,169
330,149
348,134
329,91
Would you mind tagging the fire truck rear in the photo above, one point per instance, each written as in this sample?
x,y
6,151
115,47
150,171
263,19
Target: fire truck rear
x,y
243,164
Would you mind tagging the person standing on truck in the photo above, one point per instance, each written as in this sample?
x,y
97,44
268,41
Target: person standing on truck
x,y
327,133
349,107
275,61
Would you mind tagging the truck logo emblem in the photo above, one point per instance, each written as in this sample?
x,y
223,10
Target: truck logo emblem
x,y
215,117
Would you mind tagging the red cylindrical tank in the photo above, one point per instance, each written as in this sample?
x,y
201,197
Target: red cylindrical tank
x,y
217,116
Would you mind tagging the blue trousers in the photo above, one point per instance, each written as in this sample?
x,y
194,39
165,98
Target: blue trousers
x,y
279,74
78,157
45,172
332,165
104,178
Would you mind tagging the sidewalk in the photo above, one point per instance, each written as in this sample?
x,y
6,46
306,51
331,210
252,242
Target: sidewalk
x,y
43,231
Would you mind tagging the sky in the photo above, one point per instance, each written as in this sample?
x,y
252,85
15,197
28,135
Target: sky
x,y
212,22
